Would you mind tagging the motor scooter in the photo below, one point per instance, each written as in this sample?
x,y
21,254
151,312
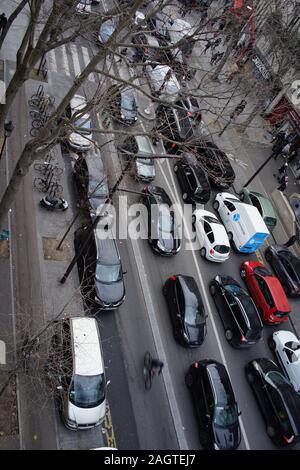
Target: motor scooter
x,y
52,203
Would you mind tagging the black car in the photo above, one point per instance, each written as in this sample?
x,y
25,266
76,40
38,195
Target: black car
x,y
91,181
147,47
286,267
175,124
215,405
162,229
186,310
278,401
192,180
191,106
103,268
123,105
241,320
216,164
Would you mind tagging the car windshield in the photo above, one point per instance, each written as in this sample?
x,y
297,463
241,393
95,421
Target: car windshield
x,y
145,161
225,415
87,391
262,271
194,316
293,345
85,124
212,220
276,378
97,189
222,249
234,289
108,273
270,221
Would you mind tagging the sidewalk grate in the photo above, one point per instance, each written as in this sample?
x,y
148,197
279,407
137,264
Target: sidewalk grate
x,y
51,253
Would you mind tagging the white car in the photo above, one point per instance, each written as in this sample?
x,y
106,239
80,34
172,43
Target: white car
x,y
211,235
287,349
163,82
84,7
81,139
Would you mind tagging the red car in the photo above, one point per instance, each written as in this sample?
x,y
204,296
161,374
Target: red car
x,y
266,291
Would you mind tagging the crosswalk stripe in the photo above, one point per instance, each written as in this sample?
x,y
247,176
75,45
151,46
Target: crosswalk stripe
x,y
74,55
65,60
52,60
86,60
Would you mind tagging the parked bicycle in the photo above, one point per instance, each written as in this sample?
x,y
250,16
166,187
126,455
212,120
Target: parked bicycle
x,y
40,122
46,185
47,168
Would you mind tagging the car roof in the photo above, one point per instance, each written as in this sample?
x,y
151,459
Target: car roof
x,y
190,290
87,351
107,251
280,299
144,144
77,102
221,383
95,166
266,205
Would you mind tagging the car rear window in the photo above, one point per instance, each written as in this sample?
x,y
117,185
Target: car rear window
x,y
270,221
222,249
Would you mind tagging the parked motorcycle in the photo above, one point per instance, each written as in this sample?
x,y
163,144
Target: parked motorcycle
x,y
52,203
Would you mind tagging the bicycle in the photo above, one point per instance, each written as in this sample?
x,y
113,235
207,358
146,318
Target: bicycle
x,y
37,102
40,122
148,371
46,168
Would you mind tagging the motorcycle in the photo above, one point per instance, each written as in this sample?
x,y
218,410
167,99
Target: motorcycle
x,y
52,203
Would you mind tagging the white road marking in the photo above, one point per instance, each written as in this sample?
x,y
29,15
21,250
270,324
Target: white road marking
x,y
86,60
52,60
65,60
75,59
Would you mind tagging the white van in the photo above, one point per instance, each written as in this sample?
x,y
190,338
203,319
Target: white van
x,y
245,226
76,348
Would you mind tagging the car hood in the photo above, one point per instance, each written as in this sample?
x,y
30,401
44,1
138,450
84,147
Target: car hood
x,y
227,438
110,293
147,171
80,140
86,416
169,242
196,334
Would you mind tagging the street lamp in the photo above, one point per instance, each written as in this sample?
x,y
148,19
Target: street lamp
x,y
8,128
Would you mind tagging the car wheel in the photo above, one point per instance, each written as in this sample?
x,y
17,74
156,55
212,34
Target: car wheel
x,y
184,196
193,219
242,196
212,289
216,205
230,236
228,335
176,168
243,273
203,252
272,344
189,380
250,377
271,431
268,256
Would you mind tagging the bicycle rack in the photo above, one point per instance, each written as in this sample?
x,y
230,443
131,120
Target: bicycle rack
x,y
40,91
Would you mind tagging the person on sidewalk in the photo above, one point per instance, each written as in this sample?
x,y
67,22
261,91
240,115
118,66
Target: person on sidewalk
x,y
281,171
290,241
215,44
283,183
234,71
207,46
3,22
215,58
281,148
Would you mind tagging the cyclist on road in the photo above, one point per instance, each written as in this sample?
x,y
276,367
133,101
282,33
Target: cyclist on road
x,y
156,365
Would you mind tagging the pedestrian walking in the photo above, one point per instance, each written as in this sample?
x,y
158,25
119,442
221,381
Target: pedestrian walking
x,y
3,22
238,109
283,183
123,53
208,45
216,57
290,241
216,43
281,171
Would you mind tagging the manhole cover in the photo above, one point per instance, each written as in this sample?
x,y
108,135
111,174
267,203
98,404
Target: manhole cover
x,y
50,251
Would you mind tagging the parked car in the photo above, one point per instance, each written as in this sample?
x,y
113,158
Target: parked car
x,y
76,363
266,291
175,124
277,399
162,228
147,47
144,165
286,346
186,310
192,180
263,204
216,164
81,139
191,106
123,105
211,235
163,82
240,318
91,181
106,30
215,405
103,267
286,267
84,7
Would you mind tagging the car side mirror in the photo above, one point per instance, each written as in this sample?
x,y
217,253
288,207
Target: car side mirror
x,y
124,272
108,383
59,387
239,413
207,415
